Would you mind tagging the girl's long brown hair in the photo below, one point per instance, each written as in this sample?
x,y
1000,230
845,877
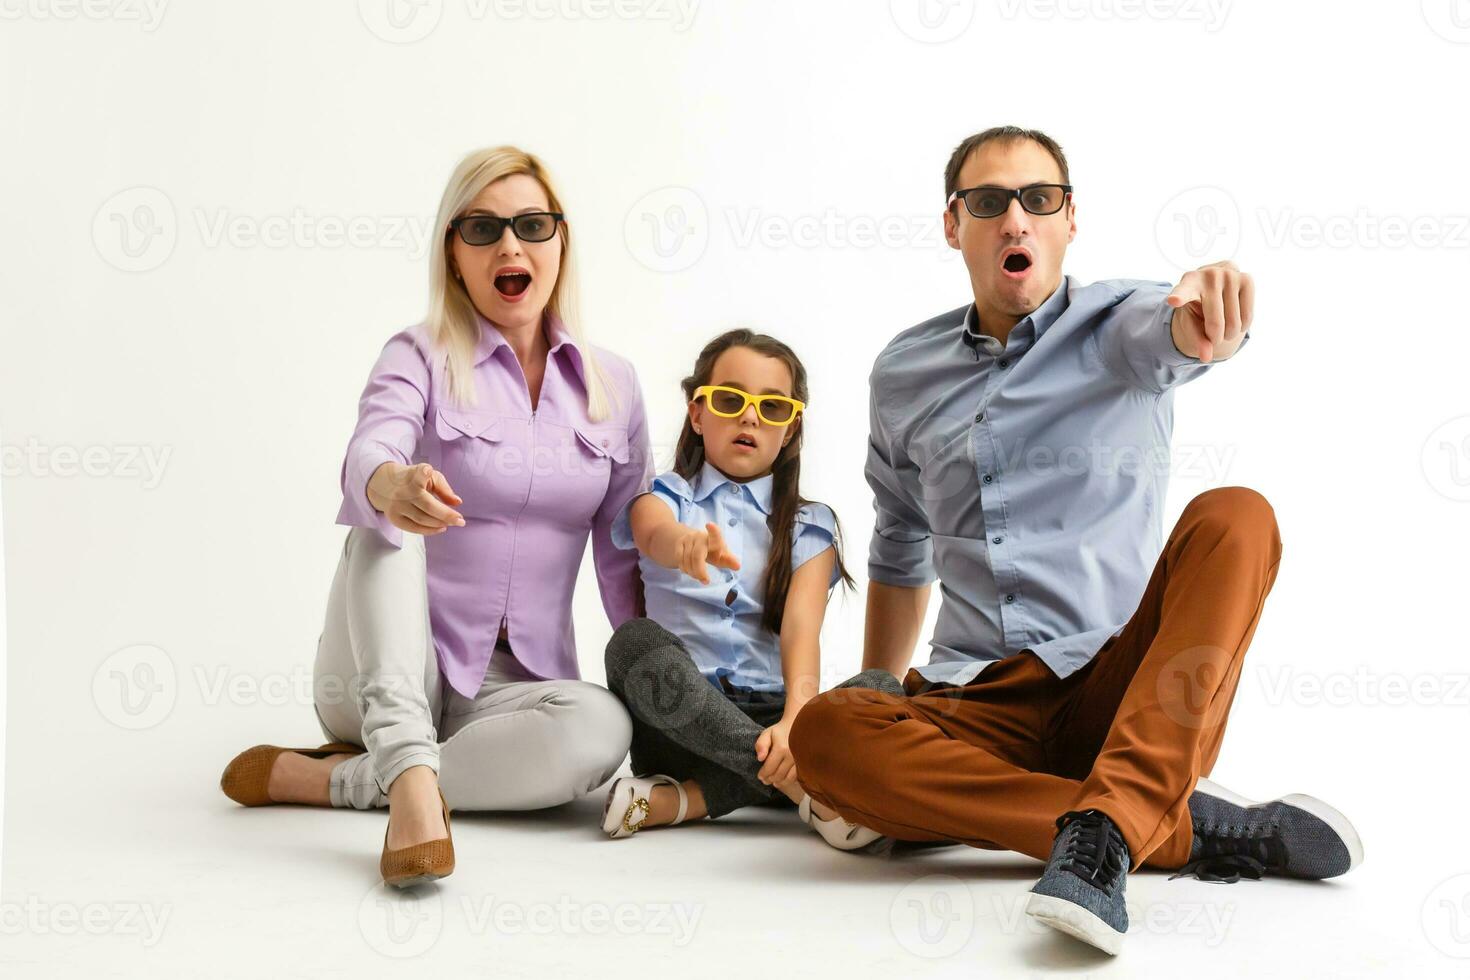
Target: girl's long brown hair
x,y
786,498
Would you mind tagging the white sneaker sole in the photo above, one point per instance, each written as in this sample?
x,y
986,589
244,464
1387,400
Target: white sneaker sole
x,y
1329,815
1075,921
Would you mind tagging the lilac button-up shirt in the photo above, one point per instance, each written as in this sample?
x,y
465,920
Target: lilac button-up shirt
x,y
534,484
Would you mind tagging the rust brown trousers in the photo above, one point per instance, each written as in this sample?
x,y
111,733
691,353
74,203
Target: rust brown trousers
x,y
993,763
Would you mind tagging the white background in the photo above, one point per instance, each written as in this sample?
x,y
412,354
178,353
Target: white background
x,y
177,294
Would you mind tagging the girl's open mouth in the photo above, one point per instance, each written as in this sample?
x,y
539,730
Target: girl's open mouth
x,y
745,443
512,284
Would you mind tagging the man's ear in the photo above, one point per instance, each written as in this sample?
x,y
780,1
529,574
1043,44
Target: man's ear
x,y
951,228
1072,220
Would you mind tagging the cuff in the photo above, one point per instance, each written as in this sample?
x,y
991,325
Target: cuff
x,y
356,511
1161,338
898,562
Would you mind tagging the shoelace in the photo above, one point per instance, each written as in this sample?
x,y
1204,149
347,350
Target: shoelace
x,y
1092,848
1230,852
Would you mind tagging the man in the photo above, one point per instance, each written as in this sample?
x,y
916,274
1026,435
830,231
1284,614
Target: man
x,y
1018,453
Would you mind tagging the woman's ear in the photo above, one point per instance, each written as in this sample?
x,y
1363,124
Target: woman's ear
x,y
696,417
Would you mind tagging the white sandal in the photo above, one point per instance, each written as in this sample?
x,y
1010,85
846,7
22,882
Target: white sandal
x,y
838,832
627,804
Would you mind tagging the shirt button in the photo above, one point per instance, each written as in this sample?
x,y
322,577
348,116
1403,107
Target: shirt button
x,y
733,521
980,417
1010,597
986,478
995,540
1004,362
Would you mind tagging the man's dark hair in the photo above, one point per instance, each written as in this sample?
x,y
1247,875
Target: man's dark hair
x,y
1005,134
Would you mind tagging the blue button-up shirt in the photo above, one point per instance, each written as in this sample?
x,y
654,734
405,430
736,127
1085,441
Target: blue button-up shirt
x,y
720,623
1028,476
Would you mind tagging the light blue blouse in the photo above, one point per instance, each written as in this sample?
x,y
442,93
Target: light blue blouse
x,y
720,622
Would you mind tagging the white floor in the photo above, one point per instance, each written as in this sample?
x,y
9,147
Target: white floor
x,y
143,869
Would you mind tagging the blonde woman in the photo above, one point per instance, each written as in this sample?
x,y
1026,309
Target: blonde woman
x,y
498,438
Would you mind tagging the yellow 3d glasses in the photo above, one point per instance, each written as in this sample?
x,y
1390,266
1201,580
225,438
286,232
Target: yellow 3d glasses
x,y
731,402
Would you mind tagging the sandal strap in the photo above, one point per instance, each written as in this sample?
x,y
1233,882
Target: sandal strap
x,y
639,791
679,788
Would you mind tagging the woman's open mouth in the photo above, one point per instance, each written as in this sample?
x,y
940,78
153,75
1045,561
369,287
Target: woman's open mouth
x,y
1015,263
511,283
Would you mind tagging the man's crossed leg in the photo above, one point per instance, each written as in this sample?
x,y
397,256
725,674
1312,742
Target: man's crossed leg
x,y
1097,773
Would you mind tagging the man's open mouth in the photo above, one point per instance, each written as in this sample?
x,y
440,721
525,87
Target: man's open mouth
x,y
1015,262
511,283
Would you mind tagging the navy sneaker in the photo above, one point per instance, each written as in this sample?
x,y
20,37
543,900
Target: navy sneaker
x,y
1081,891
1296,836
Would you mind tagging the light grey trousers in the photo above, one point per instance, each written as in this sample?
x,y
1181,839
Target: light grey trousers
x,y
520,744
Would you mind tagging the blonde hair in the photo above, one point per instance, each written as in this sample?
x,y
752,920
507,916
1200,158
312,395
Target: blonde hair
x,y
451,321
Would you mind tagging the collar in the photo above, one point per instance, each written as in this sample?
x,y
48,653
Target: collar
x,y
710,479
557,335
1040,318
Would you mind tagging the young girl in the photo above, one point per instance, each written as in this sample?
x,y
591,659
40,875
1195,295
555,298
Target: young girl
x,y
737,568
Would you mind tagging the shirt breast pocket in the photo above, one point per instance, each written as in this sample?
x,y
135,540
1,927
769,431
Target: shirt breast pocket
x,y
604,442
473,457
573,487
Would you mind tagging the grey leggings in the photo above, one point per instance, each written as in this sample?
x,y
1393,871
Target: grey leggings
x,y
521,743
685,727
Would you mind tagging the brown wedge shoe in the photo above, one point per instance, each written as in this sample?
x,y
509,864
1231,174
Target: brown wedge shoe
x,y
418,863
246,778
